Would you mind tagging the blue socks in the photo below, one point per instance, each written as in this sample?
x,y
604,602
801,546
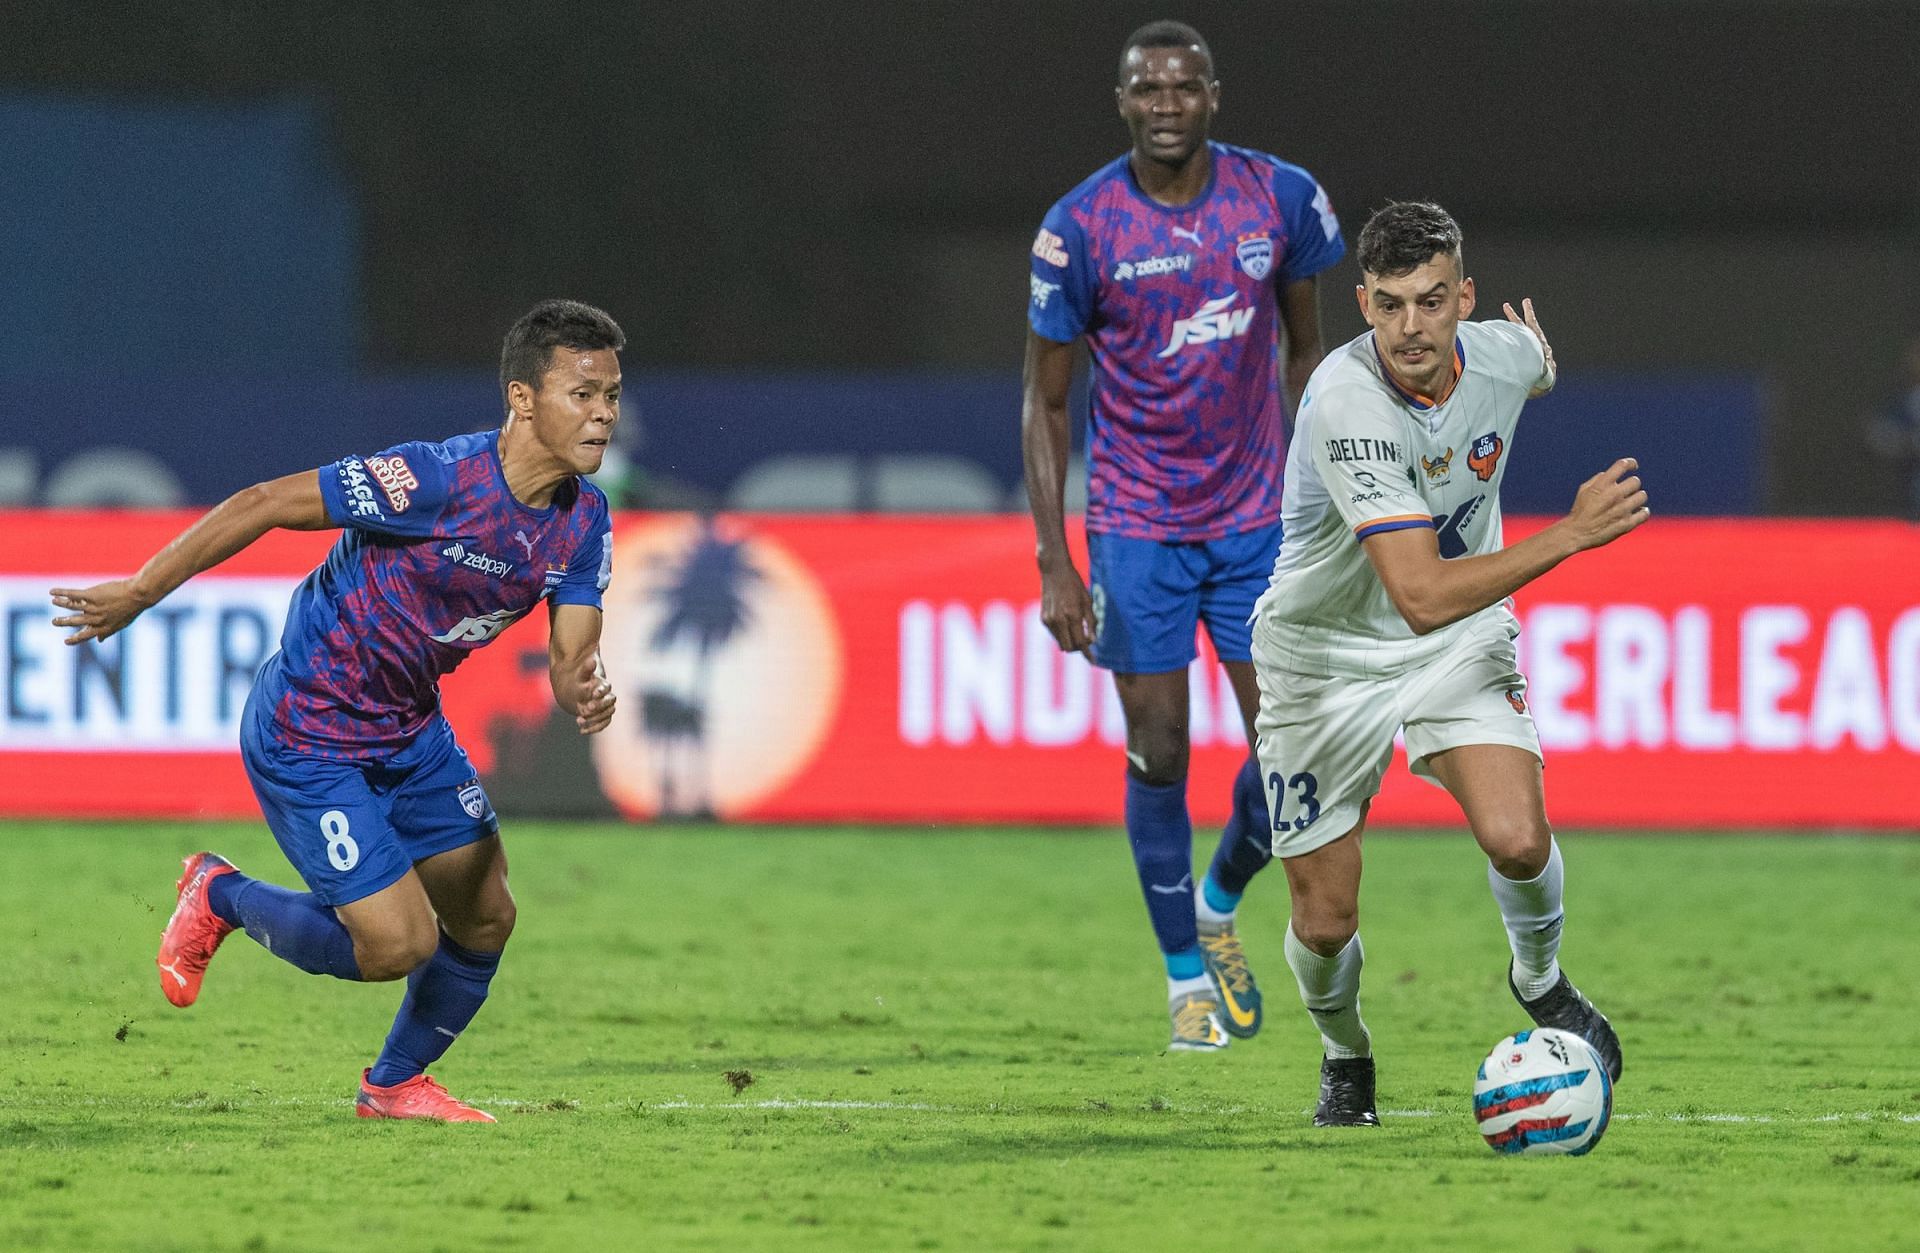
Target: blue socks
x,y
1246,845
293,926
1162,839
442,998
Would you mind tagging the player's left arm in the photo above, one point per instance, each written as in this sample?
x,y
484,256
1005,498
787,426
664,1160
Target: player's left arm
x,y
1300,315
1549,370
574,668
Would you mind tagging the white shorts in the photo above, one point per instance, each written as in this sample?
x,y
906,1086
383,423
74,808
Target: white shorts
x,y
1324,743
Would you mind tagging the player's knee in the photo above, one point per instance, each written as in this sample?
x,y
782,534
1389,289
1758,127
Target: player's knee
x,y
396,956
488,930
1518,850
1326,926
1158,757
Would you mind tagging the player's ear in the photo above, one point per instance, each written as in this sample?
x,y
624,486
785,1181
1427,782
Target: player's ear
x,y
1466,298
519,399
1360,294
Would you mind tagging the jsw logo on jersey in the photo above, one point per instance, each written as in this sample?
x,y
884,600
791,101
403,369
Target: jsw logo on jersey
x,y
457,553
1214,321
481,629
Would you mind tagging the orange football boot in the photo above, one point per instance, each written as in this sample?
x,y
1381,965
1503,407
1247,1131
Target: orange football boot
x,y
194,931
418,1097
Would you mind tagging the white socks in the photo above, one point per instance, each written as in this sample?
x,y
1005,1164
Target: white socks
x,y
1177,988
1330,987
1532,910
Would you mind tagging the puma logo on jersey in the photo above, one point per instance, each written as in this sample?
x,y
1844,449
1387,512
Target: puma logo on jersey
x,y
1180,232
521,538
1213,321
479,630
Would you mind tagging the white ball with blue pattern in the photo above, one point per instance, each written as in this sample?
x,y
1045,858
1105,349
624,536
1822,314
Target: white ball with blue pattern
x,y
1543,1091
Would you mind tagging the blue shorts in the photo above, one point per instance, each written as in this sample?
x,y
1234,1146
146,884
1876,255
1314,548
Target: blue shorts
x,y
352,828
1149,595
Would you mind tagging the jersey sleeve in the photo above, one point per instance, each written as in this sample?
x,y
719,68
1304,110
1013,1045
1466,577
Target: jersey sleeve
x,y
591,567
1313,232
1061,287
1360,453
1517,355
400,492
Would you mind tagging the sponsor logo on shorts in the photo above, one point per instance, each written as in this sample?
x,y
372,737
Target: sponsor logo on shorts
x,y
358,488
1040,290
1176,263
1050,248
473,798
1484,457
1360,498
396,479
473,559
1437,468
1255,254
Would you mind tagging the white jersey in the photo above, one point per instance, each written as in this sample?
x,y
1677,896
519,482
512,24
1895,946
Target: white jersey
x,y
1368,456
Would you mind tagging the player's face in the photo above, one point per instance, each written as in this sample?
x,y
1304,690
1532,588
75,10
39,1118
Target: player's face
x,y
573,413
1413,317
1167,99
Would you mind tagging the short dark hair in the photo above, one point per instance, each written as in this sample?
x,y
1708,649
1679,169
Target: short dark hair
x,y
552,324
1166,34
1405,235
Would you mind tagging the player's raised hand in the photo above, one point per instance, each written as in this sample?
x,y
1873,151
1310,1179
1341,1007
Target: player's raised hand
x,y
1608,505
1065,607
594,702
1527,319
99,611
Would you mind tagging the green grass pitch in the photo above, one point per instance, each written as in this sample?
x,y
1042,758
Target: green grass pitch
x,y
952,1040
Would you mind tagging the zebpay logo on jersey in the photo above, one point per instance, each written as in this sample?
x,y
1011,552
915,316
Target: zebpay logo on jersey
x,y
1214,320
481,629
1178,263
457,553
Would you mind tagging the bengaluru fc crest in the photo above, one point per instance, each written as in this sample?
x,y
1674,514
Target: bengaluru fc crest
x,y
1256,255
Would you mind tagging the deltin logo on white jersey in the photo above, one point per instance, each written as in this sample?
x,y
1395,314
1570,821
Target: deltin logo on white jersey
x,y
1214,320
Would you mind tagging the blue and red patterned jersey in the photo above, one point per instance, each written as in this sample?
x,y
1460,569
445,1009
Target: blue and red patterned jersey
x,y
1180,310
436,559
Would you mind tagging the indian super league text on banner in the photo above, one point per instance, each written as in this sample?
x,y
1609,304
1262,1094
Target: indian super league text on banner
x,y
1735,674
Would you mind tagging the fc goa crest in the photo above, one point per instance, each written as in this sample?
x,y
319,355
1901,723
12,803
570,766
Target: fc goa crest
x,y
1484,457
1256,255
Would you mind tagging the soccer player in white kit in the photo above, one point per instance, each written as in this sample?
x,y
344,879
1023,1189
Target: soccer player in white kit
x,y
1388,610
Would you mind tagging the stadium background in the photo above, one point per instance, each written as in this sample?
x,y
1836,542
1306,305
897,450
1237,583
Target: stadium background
x,y
296,235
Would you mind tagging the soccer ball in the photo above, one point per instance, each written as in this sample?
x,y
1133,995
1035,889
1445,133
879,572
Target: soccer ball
x,y
1543,1091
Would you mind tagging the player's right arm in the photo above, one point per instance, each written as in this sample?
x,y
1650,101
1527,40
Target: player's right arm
x,y
1065,606
290,503
1059,311
1432,592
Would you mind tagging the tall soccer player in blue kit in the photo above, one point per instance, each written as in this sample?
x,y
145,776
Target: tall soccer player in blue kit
x,y
356,769
1179,263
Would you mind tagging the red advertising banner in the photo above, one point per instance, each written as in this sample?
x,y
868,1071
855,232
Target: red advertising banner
x,y
1696,674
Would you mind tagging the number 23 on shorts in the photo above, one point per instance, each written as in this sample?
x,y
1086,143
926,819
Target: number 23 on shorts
x,y
1294,802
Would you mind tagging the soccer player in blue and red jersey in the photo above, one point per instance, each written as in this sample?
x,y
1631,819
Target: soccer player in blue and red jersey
x,y
1179,263
356,769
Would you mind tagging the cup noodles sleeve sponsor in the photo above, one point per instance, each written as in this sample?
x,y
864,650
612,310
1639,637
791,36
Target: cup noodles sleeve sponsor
x,y
1699,673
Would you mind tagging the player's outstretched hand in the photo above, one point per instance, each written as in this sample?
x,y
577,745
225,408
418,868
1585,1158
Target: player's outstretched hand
x,y
1608,505
1066,608
593,706
99,611
1532,323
